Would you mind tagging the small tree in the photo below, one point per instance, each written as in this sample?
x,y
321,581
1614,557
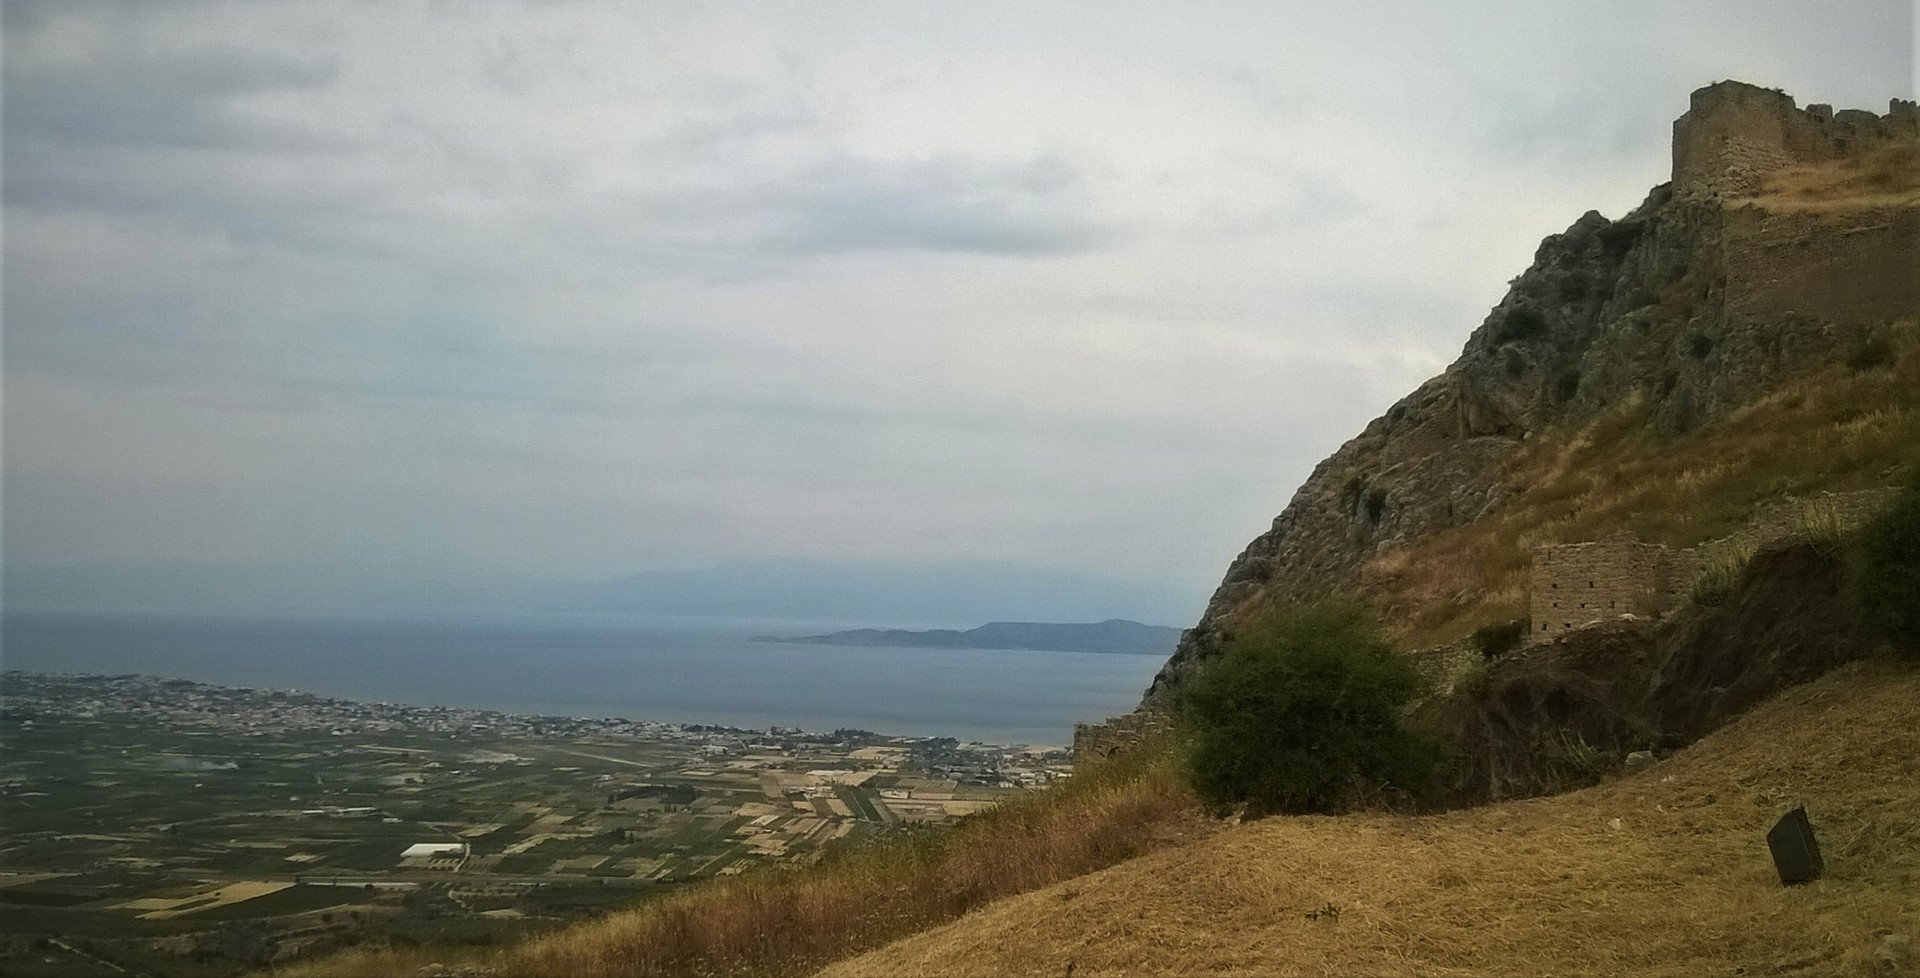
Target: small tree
x,y
1886,571
1302,707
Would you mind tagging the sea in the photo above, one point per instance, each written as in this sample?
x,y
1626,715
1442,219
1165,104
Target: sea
x,y
677,670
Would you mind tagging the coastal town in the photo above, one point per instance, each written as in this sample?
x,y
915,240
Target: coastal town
x,y
169,827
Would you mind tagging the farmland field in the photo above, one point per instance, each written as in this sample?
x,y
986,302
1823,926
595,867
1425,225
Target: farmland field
x,y
174,828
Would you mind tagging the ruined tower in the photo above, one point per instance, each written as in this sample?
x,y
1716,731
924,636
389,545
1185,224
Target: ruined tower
x,y
1734,135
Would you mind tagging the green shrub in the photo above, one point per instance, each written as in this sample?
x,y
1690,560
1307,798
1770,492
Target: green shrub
x,y
1818,523
1498,639
1571,762
1872,354
1566,386
1475,681
1720,571
1886,571
1574,287
1519,322
1302,712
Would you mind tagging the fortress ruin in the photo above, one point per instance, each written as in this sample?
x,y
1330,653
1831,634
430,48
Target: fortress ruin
x,y
1117,734
1734,135
1578,584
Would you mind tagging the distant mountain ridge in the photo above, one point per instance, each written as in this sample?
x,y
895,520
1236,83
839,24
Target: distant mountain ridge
x,y
774,588
1115,635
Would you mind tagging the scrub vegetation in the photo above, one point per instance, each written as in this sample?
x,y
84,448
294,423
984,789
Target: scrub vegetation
x,y
1304,711
1886,572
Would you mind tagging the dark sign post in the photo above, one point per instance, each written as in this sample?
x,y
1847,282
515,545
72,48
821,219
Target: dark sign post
x,y
1795,853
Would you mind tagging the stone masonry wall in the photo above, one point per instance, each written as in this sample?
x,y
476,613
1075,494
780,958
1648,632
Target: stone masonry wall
x,y
1443,665
1734,135
1573,585
1856,268
1795,516
1092,741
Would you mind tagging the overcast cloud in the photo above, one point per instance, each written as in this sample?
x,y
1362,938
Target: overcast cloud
x,y
556,290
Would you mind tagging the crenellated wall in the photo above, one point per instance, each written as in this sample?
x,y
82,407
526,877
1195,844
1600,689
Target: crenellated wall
x,y
1734,135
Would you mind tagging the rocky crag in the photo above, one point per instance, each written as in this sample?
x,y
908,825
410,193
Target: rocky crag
x,y
1700,301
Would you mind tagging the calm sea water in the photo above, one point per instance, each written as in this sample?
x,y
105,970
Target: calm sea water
x,y
675,670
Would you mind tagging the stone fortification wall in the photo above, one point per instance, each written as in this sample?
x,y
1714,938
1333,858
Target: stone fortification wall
x,y
1734,135
1442,666
1827,514
1578,584
1854,268
1092,741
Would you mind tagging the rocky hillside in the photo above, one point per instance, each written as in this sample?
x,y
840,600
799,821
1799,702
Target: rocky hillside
x,y
1786,244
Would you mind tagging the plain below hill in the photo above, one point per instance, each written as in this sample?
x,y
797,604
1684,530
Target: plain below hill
x,y
1115,635
1662,872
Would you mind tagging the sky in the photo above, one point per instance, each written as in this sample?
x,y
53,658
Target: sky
x,y
355,299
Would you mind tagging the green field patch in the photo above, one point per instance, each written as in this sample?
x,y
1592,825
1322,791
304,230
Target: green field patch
x,y
87,922
858,801
523,864
36,897
362,856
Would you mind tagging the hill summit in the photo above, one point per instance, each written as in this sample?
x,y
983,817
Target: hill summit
x,y
1737,337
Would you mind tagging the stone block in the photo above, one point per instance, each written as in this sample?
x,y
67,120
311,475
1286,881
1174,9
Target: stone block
x,y
1796,853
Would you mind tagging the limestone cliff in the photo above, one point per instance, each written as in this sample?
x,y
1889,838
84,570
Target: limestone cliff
x,y
1700,301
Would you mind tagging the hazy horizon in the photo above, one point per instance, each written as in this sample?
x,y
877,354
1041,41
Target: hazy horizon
x,y
1033,313
924,595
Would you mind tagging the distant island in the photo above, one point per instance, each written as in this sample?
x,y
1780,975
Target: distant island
x,y
1115,635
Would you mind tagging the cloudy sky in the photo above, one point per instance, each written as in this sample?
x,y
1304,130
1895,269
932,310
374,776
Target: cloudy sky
x,y
389,293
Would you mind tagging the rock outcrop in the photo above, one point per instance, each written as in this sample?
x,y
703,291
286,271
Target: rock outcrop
x,y
1699,301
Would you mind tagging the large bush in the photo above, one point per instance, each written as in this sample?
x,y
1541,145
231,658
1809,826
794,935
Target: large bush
x,y
1886,571
1302,712
1500,638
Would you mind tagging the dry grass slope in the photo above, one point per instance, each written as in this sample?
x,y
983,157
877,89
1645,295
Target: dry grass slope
x,y
1887,176
1664,872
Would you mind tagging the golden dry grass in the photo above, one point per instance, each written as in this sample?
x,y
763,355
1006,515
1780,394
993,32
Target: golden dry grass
x,y
1886,176
788,922
1664,872
1838,427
